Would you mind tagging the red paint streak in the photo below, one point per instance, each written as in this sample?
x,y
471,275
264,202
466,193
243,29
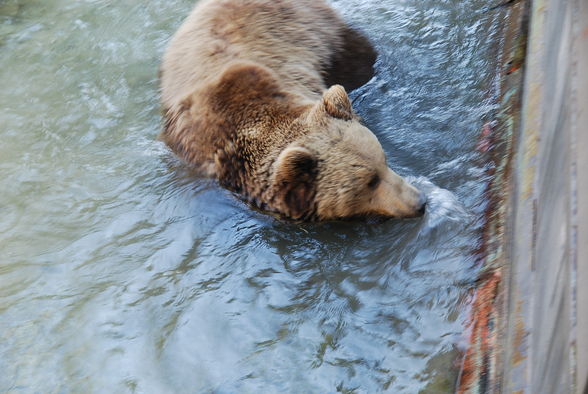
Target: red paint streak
x,y
513,69
485,142
482,336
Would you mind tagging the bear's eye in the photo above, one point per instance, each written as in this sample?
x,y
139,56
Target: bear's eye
x,y
374,181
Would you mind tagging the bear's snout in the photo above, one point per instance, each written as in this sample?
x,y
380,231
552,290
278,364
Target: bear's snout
x,y
421,207
398,198
417,202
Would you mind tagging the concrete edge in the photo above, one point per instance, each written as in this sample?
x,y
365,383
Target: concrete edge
x,y
529,317
481,370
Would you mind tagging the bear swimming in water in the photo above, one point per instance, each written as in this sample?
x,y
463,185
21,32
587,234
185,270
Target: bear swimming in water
x,y
249,98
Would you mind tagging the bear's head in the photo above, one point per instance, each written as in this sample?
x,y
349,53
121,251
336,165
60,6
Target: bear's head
x,y
338,169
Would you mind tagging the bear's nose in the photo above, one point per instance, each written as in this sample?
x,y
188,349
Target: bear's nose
x,y
422,204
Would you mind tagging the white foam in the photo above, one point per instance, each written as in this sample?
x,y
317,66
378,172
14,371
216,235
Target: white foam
x,y
442,204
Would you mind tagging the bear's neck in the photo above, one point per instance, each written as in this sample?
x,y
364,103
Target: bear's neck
x,y
259,134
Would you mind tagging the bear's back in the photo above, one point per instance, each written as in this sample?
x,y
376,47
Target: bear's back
x,y
295,39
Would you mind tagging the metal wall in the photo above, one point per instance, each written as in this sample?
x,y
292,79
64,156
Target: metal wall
x,y
545,339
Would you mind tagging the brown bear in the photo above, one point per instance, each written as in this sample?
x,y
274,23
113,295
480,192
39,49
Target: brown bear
x,y
245,100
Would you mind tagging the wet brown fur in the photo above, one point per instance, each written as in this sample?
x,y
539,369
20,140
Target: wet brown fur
x,y
245,101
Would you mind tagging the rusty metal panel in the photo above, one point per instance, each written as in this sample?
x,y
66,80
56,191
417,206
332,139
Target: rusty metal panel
x,y
529,324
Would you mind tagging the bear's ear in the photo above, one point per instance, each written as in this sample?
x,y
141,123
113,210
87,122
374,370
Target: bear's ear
x,y
295,176
337,103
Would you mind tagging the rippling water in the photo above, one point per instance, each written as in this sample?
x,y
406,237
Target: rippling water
x,y
120,271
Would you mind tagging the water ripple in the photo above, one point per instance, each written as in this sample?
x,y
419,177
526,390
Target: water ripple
x,y
122,269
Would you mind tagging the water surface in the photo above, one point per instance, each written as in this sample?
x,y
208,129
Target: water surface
x,y
120,271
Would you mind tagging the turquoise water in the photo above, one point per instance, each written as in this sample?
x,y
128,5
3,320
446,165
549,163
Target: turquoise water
x,y
121,271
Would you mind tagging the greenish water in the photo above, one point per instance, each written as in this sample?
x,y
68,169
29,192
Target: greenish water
x,y
120,271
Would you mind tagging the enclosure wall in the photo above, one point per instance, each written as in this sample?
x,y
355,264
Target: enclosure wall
x,y
546,341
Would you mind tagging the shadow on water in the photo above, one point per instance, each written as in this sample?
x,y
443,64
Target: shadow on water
x,y
122,271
